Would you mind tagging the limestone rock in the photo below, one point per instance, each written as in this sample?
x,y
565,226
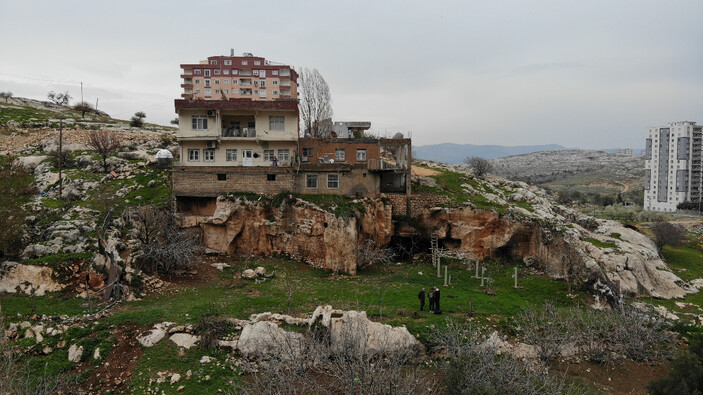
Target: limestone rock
x,y
75,353
265,339
153,336
30,279
249,274
260,271
184,340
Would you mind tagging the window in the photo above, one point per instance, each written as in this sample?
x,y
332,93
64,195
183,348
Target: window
x,y
235,71
245,62
262,73
226,91
273,72
262,93
231,155
256,91
339,155
262,83
197,71
361,154
234,82
207,73
270,177
208,92
213,62
307,152
275,82
209,155
333,181
225,71
193,155
275,92
256,83
199,122
285,72
217,82
276,122
221,177
217,72
283,155
268,154
257,62
226,82
256,72
207,83
217,91
197,91
197,81
228,63
311,181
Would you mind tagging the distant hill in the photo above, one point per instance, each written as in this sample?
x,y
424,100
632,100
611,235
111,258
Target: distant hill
x,y
456,153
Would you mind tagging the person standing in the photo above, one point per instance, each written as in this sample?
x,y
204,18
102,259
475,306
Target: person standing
x,y
421,296
436,299
430,296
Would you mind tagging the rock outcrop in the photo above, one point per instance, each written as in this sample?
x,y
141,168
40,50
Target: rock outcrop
x,y
29,279
300,229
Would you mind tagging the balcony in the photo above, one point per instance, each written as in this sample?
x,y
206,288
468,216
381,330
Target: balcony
x,y
381,164
238,132
189,85
285,82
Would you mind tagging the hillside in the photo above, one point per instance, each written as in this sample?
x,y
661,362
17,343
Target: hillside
x,y
220,322
456,153
582,171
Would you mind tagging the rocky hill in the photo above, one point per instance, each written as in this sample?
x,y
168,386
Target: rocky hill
x,y
456,153
585,171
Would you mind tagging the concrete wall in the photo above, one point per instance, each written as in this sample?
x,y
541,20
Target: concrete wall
x,y
354,181
257,147
214,130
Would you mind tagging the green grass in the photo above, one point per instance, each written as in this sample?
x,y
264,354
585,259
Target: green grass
x,y
50,304
600,244
684,261
56,260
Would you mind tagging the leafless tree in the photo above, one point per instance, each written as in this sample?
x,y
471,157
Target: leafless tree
x,y
83,107
573,267
668,233
545,329
105,143
6,95
60,99
473,366
315,102
164,246
479,165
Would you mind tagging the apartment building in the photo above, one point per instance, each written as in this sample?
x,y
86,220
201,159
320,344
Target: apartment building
x,y
673,172
239,132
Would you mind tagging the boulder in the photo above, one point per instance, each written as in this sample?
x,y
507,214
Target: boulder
x,y
184,340
29,163
153,336
260,271
267,339
75,353
249,274
30,279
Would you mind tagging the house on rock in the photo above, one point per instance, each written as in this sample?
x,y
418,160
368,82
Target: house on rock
x,y
240,132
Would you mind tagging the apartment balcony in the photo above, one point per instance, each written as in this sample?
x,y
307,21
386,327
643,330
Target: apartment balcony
x,y
238,133
386,165
187,95
188,85
285,83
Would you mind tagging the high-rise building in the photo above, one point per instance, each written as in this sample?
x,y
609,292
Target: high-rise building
x,y
673,172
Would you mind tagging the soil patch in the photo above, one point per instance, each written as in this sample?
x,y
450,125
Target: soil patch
x,y
423,172
621,377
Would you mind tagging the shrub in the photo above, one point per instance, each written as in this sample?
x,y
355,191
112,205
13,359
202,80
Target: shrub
x,y
685,372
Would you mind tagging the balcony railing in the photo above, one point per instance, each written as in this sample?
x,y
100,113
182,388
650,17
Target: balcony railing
x,y
380,164
243,132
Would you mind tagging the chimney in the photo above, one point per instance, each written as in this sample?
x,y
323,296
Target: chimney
x,y
231,52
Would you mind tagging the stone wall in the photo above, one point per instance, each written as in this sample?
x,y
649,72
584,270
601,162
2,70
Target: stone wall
x,y
212,181
419,203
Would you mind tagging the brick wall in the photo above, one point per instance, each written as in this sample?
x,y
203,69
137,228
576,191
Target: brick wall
x,y
419,202
190,181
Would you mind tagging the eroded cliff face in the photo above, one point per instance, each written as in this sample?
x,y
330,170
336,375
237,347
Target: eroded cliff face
x,y
630,259
301,230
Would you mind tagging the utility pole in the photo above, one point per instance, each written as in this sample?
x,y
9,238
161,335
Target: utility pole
x,y
81,91
96,103
60,158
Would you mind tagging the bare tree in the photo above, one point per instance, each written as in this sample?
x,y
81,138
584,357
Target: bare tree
x,y
83,107
479,165
545,329
163,245
105,143
60,99
6,95
668,233
315,103
573,267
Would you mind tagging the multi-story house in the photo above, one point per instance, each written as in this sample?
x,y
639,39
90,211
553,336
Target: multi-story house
x,y
673,172
239,132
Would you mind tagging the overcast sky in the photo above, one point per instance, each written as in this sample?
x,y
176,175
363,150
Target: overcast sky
x,y
589,74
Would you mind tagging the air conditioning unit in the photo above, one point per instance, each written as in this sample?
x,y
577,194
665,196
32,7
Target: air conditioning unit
x,y
211,144
210,113
304,159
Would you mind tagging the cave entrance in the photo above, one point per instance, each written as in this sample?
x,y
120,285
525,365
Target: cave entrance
x,y
406,247
196,205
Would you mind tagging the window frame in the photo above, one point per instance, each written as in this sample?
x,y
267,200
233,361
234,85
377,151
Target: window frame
x,y
338,157
277,122
331,183
283,154
193,155
360,151
308,179
208,155
231,155
269,154
199,122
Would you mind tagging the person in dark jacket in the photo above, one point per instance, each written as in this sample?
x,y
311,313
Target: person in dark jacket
x,y
421,296
430,296
436,299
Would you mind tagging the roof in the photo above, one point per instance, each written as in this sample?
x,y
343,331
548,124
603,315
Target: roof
x,y
237,104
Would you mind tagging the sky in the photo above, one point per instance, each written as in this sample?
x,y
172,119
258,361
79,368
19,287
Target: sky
x,y
587,74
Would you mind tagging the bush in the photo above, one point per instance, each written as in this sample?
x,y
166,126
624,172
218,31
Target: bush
x,y
668,233
685,372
